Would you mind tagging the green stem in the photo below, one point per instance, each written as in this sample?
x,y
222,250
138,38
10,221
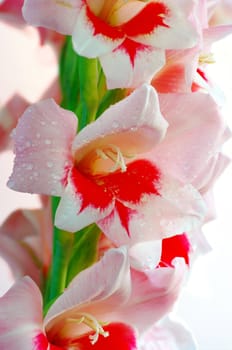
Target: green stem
x,y
88,80
62,246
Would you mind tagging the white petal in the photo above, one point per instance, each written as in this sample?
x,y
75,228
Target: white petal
x,y
146,63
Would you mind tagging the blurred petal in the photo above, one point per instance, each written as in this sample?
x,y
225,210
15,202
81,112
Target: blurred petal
x,y
57,15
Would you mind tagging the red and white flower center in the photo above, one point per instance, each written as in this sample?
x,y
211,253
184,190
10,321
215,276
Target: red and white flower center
x,y
103,160
126,17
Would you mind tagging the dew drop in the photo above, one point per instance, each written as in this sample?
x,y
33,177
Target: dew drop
x,y
28,144
115,125
47,142
29,166
50,164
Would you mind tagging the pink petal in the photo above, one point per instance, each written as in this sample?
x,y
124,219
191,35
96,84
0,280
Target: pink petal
x,y
134,125
145,255
56,15
168,334
21,316
178,72
215,33
215,167
98,290
154,293
195,133
43,139
138,63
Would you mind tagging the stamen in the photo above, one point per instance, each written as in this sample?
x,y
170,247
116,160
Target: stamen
x,y
64,3
92,323
206,58
113,153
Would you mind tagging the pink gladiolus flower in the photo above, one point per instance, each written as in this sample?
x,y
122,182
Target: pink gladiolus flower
x,y
130,34
98,307
77,318
103,174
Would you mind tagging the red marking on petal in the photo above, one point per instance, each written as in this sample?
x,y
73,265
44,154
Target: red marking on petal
x,y
121,336
202,74
101,27
171,78
124,215
54,347
131,48
92,194
64,180
141,178
196,86
172,247
147,20
40,342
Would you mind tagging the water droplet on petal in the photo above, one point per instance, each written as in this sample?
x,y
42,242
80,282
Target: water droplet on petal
x,y
115,124
47,142
28,144
29,166
50,164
